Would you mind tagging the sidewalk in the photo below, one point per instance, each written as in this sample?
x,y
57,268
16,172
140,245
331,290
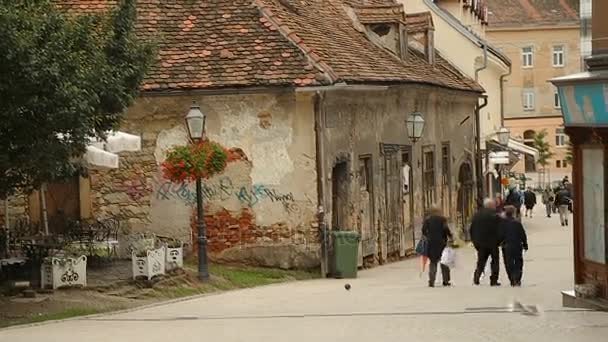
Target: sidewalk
x,y
389,303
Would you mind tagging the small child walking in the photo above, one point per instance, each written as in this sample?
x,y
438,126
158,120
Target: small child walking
x,y
514,244
421,250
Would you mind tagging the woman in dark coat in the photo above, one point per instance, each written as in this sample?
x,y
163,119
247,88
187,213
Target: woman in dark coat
x,y
436,231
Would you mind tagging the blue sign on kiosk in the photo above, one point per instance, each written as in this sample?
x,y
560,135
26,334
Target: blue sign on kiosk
x,y
584,99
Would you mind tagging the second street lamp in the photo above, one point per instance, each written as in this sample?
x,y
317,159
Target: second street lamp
x,y
195,123
415,126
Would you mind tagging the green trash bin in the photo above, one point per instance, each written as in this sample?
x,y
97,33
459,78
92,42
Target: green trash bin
x,y
346,250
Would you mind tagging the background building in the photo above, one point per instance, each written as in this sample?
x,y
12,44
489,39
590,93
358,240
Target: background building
x,y
542,38
586,10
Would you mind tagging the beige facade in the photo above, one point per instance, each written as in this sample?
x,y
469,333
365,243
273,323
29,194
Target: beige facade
x,y
465,50
531,102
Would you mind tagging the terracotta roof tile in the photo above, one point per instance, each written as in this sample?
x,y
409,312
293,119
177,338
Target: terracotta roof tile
x,y
242,43
509,13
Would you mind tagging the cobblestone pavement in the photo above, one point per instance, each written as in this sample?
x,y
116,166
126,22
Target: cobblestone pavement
x,y
389,303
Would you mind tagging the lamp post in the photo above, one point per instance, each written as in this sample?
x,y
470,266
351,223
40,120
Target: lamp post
x,y
195,122
415,126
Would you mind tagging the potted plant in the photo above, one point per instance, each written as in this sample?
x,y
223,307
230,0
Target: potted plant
x,y
66,271
147,257
174,255
200,160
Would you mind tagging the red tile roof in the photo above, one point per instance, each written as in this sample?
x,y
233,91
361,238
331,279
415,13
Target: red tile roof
x,y
244,43
519,13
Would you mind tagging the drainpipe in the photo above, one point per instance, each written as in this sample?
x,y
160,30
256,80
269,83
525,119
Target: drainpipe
x,y
502,95
480,178
478,156
319,98
485,61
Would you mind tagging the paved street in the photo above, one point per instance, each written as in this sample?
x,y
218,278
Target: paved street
x,y
389,303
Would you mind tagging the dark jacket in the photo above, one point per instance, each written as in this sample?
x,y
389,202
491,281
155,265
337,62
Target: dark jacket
x,y
485,229
562,197
437,232
514,234
529,199
514,198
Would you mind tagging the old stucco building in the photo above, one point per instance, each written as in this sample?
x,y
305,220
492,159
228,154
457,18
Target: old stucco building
x,y
542,38
319,115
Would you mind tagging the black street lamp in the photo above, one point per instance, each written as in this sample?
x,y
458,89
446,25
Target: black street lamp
x,y
415,126
195,122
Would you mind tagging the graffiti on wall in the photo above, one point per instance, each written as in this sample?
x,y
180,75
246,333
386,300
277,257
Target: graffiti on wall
x,y
223,189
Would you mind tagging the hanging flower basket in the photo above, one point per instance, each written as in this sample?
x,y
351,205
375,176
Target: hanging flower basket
x,y
186,163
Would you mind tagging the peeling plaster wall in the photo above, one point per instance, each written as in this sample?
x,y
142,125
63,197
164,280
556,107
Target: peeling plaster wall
x,y
269,199
356,125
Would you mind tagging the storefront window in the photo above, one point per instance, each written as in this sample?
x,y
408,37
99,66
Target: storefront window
x,y
593,193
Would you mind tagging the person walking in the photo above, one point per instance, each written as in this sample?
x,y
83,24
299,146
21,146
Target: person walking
x,y
437,233
529,201
548,198
486,236
514,198
562,201
514,243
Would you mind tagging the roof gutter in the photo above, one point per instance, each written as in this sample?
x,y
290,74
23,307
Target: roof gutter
x,y
342,86
478,156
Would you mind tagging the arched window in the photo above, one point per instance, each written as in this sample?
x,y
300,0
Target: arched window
x,y
529,137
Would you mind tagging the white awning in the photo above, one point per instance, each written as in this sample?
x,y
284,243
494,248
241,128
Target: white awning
x,y
102,154
99,158
119,142
523,148
519,147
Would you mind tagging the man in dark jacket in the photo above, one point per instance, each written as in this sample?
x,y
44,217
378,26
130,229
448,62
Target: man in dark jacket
x,y
562,201
529,201
486,236
515,242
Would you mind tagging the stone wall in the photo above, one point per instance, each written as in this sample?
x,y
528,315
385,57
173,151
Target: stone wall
x,y
17,209
263,203
360,125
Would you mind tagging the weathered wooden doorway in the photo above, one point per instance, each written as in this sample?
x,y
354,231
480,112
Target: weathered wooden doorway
x,y
62,201
394,224
408,242
465,197
339,178
366,208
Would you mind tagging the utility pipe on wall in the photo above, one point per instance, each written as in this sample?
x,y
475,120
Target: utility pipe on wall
x,y
319,98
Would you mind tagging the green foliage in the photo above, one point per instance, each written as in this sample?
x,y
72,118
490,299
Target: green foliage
x,y
203,160
543,147
62,75
569,154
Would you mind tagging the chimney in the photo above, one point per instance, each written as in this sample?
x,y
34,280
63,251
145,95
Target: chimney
x,y
429,50
403,42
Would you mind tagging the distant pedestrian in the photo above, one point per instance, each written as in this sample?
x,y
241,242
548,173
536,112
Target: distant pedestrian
x,y
422,251
515,242
529,202
437,233
500,203
548,198
515,199
562,201
486,236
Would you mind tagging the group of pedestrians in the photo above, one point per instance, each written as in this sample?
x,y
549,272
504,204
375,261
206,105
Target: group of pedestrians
x,y
492,230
